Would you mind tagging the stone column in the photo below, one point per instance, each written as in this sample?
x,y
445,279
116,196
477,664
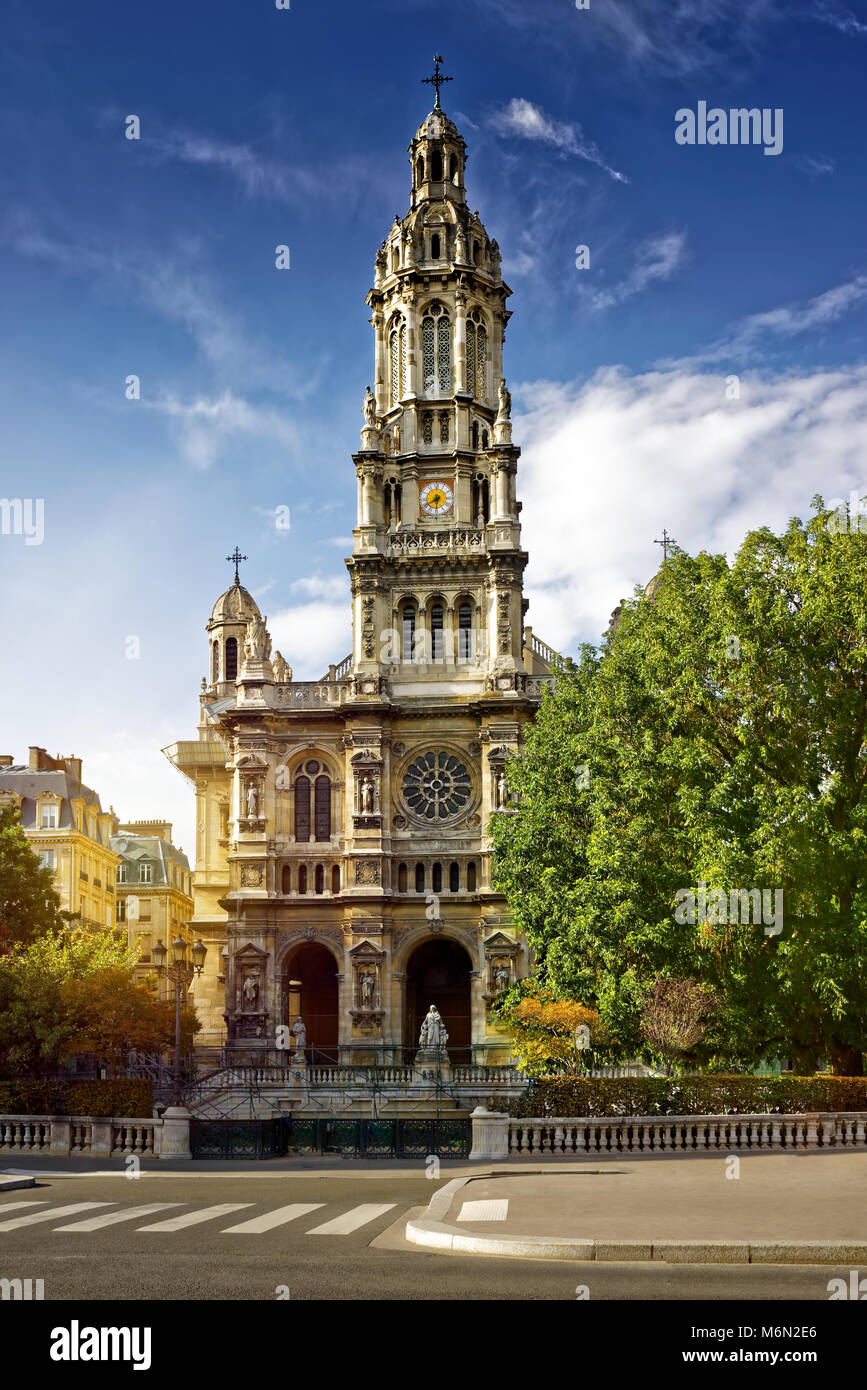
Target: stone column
x,y
379,384
460,343
490,1135
175,1142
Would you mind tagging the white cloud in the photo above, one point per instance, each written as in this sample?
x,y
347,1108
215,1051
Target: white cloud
x,y
842,20
204,425
529,122
332,586
656,259
787,321
607,464
312,636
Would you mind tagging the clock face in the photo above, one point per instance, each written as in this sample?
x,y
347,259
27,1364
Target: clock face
x,y
436,499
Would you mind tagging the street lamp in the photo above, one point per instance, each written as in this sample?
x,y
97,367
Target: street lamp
x,y
180,973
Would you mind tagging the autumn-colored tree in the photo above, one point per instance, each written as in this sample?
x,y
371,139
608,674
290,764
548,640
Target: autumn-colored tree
x,y
549,1033
676,1016
114,1014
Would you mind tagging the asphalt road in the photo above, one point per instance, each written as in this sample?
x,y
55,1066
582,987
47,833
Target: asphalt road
x,y
272,1235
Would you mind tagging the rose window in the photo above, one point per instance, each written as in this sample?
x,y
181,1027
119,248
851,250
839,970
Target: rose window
x,y
437,786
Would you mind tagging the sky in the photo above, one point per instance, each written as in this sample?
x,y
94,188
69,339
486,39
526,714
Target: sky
x,y
702,369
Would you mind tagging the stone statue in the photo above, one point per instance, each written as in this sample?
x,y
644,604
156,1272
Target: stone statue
x,y
369,409
433,1031
250,991
397,437
502,977
502,791
252,800
299,1032
367,796
368,985
461,256
504,397
257,643
282,669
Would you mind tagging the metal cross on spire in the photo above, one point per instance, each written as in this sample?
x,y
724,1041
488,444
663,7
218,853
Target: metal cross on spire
x,y
437,80
667,542
235,560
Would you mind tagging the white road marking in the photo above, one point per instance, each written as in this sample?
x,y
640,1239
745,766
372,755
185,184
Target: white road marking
x,y
70,1210
13,1206
351,1220
112,1218
193,1218
495,1210
278,1217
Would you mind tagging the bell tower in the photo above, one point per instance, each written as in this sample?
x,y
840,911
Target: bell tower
x,y
437,563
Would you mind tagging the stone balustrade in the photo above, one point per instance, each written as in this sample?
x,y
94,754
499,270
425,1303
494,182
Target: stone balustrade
x,y
502,1136
68,1135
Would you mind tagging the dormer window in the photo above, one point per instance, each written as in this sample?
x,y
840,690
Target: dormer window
x,y
48,820
145,873
121,873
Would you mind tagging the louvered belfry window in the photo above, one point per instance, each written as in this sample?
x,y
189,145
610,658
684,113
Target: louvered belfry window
x,y
436,351
323,808
302,808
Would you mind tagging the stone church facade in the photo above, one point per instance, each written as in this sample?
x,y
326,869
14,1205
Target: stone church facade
x,y
343,825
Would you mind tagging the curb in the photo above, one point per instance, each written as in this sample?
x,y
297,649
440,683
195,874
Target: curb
x,y
434,1233
11,1184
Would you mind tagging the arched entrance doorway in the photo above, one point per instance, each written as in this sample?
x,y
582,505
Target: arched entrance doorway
x,y
438,972
314,997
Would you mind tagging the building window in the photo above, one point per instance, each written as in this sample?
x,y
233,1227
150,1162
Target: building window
x,y
465,632
436,167
444,426
401,878
454,878
419,878
47,858
419,171
215,662
49,818
231,658
427,420
481,499
121,873
286,879
335,880
436,348
323,809
409,632
320,878
145,873
121,909
302,878
477,351
302,811
454,169
471,878
436,631
435,246
437,878
397,345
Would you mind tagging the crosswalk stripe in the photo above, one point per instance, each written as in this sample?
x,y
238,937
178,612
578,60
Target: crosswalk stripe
x,y
193,1218
49,1215
96,1223
270,1219
351,1220
13,1206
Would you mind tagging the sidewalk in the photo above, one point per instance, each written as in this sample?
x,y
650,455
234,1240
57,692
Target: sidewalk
x,y
782,1208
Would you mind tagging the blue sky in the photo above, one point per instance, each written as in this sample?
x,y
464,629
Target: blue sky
x,y
261,127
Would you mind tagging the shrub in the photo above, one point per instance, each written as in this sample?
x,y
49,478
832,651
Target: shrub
x,y
126,1097
689,1095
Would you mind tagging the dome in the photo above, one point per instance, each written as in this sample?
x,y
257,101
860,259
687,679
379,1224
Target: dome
x,y
235,606
436,126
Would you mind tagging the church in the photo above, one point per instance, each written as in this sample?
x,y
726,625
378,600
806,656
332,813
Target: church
x,y
343,878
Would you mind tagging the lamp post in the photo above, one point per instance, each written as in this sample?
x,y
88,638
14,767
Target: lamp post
x,y
180,973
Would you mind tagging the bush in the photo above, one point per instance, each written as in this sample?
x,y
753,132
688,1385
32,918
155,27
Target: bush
x,y
126,1097
568,1096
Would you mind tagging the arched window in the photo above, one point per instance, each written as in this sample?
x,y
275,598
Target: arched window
x,y
481,499
475,434
454,878
471,878
437,878
302,812
302,878
401,878
231,658
335,880
215,662
436,631
454,169
320,878
436,167
286,879
477,351
409,615
477,251
484,439
419,171
435,246
323,809
397,348
436,351
419,878
465,632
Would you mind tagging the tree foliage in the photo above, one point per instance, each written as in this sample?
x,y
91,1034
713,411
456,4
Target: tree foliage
x,y
113,1014
549,1033
29,903
716,737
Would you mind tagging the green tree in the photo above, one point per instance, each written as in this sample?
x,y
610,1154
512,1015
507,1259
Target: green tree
x,y
717,737
37,1021
112,1013
29,903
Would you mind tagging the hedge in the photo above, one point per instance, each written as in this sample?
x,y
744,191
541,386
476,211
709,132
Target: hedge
x,y
568,1096
126,1097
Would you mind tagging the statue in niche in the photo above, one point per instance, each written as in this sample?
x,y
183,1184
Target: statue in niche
x,y
502,976
502,790
252,800
369,409
299,1032
368,989
250,992
433,1031
367,790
